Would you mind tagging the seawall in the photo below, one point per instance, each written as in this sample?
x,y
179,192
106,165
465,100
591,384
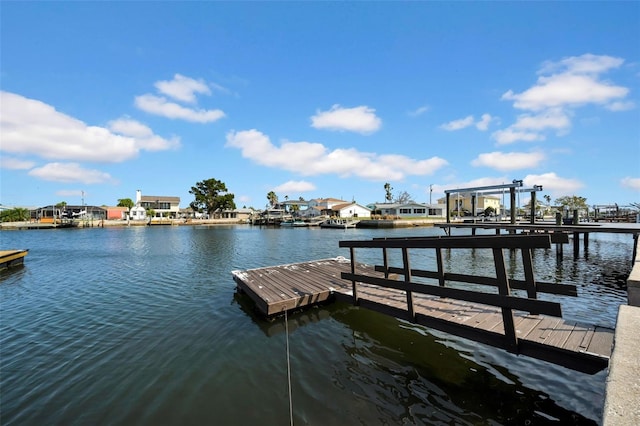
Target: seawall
x,y
622,397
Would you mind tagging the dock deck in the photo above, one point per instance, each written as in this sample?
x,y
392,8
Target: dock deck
x,y
274,289
10,258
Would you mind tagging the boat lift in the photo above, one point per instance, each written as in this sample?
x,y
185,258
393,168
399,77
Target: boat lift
x,y
514,187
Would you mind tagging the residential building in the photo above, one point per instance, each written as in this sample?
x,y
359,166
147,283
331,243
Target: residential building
x,y
462,203
163,206
243,214
408,210
350,210
117,213
321,207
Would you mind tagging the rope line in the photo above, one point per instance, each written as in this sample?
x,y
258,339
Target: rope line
x,y
286,328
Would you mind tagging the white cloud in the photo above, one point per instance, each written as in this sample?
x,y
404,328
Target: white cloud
x,y
128,127
145,139
69,172
295,187
159,105
507,161
484,122
576,83
458,124
550,119
632,183
584,64
508,135
553,183
11,163
309,159
183,88
361,119
621,106
562,87
418,111
462,123
29,126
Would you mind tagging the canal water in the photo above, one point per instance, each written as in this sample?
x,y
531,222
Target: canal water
x,y
143,326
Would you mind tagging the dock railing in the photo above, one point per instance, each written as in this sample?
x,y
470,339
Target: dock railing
x,y
504,299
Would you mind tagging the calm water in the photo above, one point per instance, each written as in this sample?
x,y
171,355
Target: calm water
x,y
143,326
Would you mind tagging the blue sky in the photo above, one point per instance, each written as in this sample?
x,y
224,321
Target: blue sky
x,y
317,99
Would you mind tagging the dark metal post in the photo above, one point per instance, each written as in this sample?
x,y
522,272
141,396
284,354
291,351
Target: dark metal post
x,y
407,280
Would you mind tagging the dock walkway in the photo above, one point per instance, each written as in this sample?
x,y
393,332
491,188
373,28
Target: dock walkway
x,y
502,321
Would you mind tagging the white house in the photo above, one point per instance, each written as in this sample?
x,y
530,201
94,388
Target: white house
x,y
320,207
163,206
350,210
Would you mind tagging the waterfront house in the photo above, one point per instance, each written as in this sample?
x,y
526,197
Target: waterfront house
x,y
243,214
409,210
137,213
350,210
295,207
117,212
51,214
322,207
162,205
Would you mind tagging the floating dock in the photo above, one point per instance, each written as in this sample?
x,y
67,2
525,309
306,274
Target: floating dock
x,y
522,325
9,258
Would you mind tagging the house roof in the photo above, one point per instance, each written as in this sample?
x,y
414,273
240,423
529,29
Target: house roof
x,y
379,206
345,205
163,198
329,200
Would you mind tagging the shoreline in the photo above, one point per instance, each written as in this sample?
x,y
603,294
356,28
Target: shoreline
x,y
401,223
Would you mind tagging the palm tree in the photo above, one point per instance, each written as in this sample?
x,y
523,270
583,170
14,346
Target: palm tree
x,y
387,190
273,198
547,198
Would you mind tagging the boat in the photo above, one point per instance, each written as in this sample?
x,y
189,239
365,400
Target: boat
x,y
294,223
316,221
10,258
339,223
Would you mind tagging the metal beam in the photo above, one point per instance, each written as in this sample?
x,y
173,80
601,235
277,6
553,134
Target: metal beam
x,y
534,189
514,184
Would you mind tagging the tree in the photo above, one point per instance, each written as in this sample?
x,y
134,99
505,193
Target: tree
x,y
403,198
211,195
126,202
387,190
572,202
61,204
17,214
273,198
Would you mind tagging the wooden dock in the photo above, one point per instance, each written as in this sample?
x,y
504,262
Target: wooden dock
x,y
9,258
521,325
